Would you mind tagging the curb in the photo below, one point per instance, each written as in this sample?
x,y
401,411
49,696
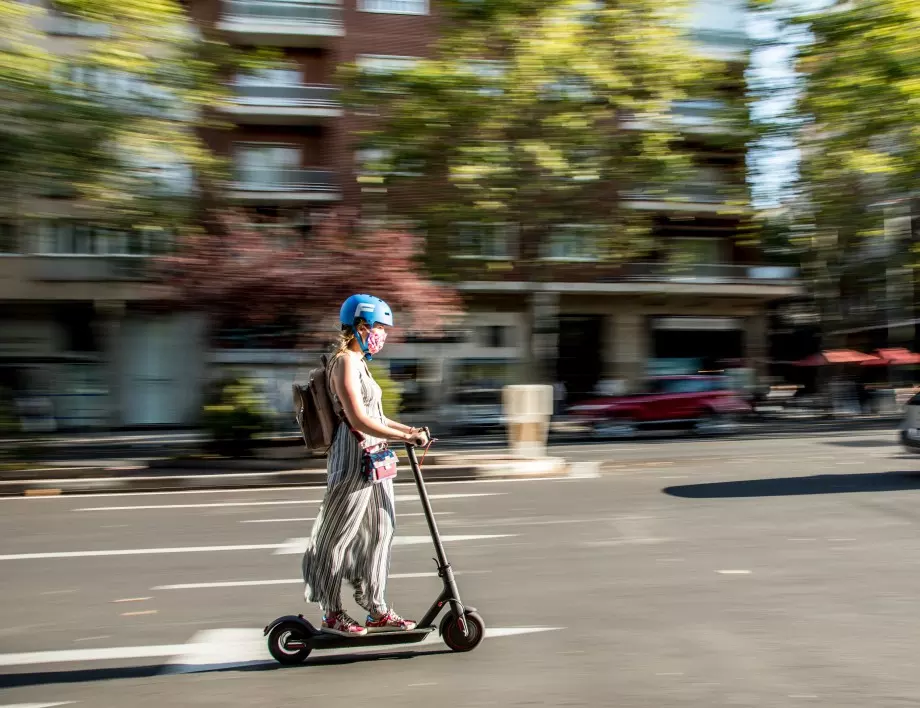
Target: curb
x,y
520,469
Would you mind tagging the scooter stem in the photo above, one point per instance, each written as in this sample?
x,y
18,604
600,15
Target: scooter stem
x,y
450,592
426,507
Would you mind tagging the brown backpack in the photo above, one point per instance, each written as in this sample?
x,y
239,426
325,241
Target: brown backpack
x,y
314,410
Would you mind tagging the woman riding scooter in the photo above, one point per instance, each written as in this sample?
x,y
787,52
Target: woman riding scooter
x,y
353,533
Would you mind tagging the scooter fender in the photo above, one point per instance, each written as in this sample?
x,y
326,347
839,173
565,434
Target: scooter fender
x,y
297,619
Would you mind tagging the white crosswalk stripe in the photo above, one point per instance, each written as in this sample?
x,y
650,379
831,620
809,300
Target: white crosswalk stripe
x,y
216,649
293,581
299,545
283,502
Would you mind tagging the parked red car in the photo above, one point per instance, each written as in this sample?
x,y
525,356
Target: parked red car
x,y
705,404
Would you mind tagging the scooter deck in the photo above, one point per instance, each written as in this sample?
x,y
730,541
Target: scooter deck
x,y
324,640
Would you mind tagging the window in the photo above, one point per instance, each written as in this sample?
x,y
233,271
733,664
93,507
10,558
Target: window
x,y
489,241
68,25
266,165
696,251
281,75
489,71
494,336
572,242
376,67
396,7
383,64
8,240
87,239
118,90
370,160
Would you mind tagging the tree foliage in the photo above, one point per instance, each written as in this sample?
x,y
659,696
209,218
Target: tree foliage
x,y
519,117
111,118
854,117
239,270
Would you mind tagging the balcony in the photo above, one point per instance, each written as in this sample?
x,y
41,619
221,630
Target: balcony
x,y
698,117
662,278
285,186
281,23
89,268
280,104
78,277
710,197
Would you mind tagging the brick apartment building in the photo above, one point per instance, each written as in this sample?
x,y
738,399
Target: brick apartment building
x,y
701,301
71,323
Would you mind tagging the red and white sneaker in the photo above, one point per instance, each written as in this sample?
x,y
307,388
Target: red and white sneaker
x,y
341,624
388,622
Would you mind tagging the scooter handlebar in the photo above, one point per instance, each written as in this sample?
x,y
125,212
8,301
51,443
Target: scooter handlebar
x,y
431,440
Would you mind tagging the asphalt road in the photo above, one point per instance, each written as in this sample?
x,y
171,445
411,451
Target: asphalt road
x,y
726,572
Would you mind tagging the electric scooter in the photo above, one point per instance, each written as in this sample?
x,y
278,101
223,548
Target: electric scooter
x,y
291,639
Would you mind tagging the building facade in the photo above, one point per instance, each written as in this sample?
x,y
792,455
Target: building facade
x,y
78,333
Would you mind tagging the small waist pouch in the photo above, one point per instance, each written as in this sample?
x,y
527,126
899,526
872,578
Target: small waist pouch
x,y
379,464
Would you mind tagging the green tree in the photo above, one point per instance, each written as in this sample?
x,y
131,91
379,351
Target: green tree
x,y
520,117
116,123
853,112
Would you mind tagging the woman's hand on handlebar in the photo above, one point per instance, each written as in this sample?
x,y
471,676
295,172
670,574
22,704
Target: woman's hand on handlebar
x,y
418,437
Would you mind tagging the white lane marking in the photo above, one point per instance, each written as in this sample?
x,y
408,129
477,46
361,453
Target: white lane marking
x,y
733,572
61,656
294,581
133,599
295,546
313,518
261,490
289,547
279,521
140,551
37,705
93,639
229,648
214,505
138,614
614,542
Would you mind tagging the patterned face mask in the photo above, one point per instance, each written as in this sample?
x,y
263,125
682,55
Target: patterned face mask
x,y
376,339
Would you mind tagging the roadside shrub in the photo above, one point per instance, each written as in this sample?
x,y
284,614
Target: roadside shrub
x,y
235,413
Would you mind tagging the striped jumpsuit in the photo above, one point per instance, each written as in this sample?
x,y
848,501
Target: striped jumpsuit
x,y
353,533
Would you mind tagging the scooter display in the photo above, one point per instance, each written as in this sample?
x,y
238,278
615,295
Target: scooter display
x,y
291,639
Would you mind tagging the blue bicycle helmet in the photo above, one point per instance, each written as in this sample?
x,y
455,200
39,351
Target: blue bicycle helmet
x,y
369,308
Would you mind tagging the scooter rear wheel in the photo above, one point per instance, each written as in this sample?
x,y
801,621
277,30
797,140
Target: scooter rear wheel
x,y
453,635
289,644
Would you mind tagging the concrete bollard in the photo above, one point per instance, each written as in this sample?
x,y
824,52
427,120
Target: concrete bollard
x,y
528,409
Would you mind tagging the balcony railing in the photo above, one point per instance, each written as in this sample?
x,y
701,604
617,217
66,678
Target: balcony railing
x,y
691,192
289,180
701,272
525,275
89,268
282,12
263,95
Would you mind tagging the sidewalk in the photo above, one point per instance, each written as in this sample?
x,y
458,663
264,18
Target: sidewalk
x,y
171,460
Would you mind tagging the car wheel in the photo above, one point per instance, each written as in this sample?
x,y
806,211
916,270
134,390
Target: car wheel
x,y
715,423
615,428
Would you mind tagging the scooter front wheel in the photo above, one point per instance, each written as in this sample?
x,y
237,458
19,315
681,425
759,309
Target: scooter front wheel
x,y
289,644
453,635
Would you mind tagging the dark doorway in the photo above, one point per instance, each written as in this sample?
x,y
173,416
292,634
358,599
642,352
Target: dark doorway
x,y
580,359
709,347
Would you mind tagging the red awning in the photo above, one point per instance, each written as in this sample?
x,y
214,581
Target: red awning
x,y
894,357
836,356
